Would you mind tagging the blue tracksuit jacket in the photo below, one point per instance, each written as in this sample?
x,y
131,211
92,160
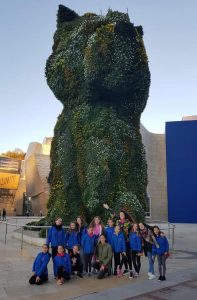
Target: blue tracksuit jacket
x,y
163,245
40,264
88,243
135,242
71,239
55,237
118,243
62,261
109,231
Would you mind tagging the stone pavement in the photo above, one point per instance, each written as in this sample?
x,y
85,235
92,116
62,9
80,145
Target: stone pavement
x,y
15,269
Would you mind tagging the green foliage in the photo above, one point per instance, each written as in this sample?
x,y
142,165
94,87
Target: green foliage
x,y
99,71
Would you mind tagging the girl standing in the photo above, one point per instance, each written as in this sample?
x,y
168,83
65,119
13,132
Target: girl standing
x,y
89,240
98,227
72,237
136,248
148,240
119,249
109,231
161,252
56,236
81,227
62,265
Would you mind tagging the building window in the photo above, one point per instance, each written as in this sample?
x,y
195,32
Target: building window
x,y
148,206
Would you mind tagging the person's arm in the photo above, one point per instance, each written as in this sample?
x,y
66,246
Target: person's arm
x,y
66,239
49,235
154,249
63,238
111,212
78,238
44,265
139,244
166,245
83,239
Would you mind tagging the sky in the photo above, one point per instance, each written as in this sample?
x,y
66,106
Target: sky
x,y
28,108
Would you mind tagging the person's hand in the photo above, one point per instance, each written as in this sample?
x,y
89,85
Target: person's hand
x,y
124,253
97,260
139,254
166,253
105,205
102,268
37,279
33,273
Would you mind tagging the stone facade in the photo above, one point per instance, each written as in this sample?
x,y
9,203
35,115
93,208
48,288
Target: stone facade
x,y
37,167
157,183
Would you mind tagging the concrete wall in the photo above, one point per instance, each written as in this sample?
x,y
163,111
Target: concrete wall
x,y
37,168
156,161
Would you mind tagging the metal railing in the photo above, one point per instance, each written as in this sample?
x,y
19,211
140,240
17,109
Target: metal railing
x,y
170,230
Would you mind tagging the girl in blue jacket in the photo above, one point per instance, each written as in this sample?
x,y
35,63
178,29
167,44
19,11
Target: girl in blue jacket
x,y
119,249
56,236
39,269
109,231
62,265
71,238
89,240
136,248
161,252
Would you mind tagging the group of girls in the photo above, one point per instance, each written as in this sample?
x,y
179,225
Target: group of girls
x,y
95,247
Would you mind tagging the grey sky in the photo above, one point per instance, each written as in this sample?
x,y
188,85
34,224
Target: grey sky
x,y
28,109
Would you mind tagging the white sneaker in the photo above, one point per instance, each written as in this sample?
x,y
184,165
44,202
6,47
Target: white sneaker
x,y
152,277
149,274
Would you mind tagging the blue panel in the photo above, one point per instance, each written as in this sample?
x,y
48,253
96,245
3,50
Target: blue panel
x,y
181,158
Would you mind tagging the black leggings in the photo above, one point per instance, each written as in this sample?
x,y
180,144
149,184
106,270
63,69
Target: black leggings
x,y
88,261
119,261
43,278
62,274
136,261
128,260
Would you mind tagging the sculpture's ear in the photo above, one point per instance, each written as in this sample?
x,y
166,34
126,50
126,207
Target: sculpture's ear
x,y
65,14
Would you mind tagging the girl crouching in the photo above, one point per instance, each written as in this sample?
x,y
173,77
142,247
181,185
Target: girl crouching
x,y
40,271
62,265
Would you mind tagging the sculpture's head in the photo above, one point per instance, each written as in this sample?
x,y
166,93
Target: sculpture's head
x,y
98,58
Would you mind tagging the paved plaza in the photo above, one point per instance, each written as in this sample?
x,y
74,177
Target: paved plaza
x,y
15,270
